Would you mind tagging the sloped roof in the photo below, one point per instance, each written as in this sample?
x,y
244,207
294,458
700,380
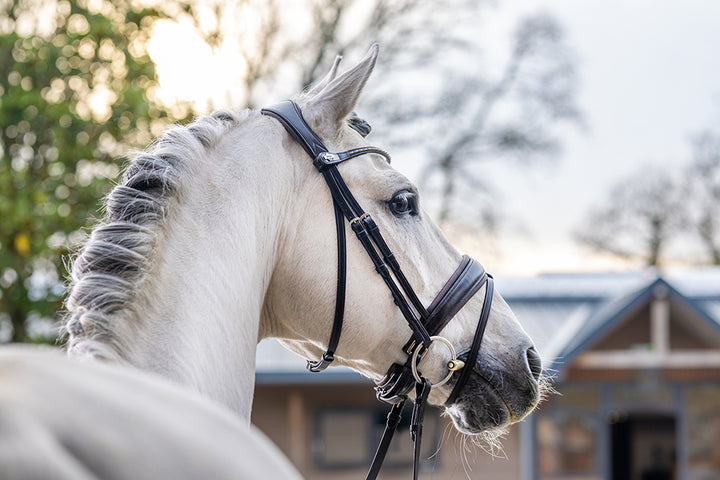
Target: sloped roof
x,y
562,312
597,302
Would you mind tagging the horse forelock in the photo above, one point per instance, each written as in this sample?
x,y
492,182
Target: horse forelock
x,y
111,267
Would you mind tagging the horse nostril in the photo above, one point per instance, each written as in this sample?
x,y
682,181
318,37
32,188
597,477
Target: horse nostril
x,y
534,363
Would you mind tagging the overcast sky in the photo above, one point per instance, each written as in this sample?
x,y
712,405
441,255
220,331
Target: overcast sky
x,y
649,75
650,80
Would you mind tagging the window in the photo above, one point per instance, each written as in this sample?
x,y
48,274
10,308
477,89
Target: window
x,y
348,438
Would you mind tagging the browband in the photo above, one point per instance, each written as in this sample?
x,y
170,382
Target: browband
x,y
290,116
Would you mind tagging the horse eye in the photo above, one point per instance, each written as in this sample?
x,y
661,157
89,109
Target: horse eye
x,y
403,203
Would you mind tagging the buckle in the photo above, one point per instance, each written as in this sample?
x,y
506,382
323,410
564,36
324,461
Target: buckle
x,y
320,365
360,218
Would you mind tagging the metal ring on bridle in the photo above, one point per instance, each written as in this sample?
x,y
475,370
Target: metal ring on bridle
x,y
454,359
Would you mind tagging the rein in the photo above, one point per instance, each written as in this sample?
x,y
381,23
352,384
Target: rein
x,y
425,323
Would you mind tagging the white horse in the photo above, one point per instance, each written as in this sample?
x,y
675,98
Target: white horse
x,y
223,234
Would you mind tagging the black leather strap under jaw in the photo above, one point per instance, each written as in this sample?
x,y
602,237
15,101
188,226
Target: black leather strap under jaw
x,y
329,356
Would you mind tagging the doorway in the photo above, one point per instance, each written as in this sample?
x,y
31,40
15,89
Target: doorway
x,y
643,447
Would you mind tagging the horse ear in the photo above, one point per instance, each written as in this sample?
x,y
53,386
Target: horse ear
x,y
337,100
326,80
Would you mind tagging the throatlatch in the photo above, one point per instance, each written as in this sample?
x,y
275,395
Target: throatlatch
x,y
425,323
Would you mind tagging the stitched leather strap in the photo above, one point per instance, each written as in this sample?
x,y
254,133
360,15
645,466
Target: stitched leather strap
x,y
389,258
464,283
289,115
327,159
396,383
422,390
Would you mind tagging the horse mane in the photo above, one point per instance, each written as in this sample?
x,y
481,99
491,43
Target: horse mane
x,y
111,267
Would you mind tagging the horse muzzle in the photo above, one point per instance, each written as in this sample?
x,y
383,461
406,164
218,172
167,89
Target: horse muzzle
x,y
495,394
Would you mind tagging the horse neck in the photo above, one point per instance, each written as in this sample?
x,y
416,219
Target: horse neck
x,y
209,289
193,315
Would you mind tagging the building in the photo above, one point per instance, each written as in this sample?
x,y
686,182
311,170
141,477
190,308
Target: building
x,y
636,360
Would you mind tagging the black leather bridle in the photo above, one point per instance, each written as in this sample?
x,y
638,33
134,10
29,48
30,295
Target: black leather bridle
x,y
425,323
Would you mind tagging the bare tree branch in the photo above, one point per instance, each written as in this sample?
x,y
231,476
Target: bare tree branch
x,y
642,215
458,112
703,192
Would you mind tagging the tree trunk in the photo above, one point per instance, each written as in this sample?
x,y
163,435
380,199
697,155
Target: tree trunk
x,y
17,318
656,242
708,235
448,168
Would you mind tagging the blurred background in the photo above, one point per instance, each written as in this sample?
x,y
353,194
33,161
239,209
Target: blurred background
x,y
572,147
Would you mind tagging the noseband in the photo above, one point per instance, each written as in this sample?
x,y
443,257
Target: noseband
x,y
425,323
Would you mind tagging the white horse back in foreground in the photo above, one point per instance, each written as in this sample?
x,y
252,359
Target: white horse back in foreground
x,y
65,419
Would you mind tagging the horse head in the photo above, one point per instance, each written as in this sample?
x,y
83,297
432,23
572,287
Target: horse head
x,y
223,233
503,383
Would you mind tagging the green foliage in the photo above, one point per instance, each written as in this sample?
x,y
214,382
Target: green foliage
x,y
75,95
